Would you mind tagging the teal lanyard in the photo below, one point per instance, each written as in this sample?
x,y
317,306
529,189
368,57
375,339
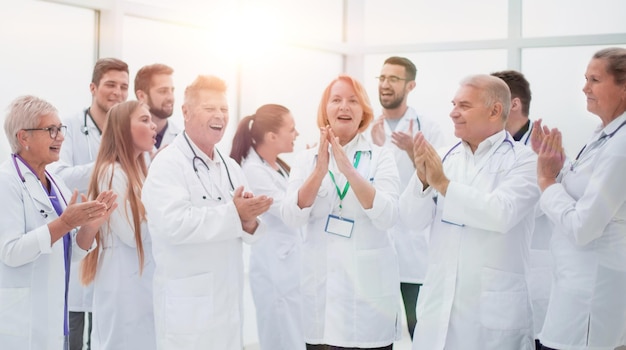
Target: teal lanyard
x,y
341,194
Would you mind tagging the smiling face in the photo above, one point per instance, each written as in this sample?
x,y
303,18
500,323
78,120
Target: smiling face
x,y
142,130
206,118
344,111
111,90
392,95
473,119
42,149
605,98
160,98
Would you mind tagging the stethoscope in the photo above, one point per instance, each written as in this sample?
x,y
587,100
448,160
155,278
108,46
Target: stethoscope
x,y
195,169
42,212
506,140
595,144
85,130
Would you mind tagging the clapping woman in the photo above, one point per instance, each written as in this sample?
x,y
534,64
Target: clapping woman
x,y
275,259
586,201
43,229
122,267
345,192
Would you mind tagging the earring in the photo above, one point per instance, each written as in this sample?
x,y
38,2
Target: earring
x,y
27,148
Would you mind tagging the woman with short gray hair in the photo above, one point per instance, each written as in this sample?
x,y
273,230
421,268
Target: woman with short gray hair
x,y
43,228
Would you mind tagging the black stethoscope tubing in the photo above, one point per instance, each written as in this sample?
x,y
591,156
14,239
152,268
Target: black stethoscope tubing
x,y
195,157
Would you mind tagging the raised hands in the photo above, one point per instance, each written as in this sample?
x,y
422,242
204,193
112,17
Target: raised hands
x,y
428,165
551,158
537,135
93,213
249,208
403,140
378,131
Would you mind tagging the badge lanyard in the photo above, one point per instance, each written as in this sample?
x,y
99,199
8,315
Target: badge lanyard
x,y
342,195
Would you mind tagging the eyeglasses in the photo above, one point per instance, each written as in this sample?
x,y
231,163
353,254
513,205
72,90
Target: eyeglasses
x,y
392,79
53,130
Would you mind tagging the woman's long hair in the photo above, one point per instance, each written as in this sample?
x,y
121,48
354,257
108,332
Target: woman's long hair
x,y
117,147
252,129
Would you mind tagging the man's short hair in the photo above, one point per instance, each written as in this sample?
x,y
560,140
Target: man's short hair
x,y
409,67
493,90
145,74
204,82
104,65
519,87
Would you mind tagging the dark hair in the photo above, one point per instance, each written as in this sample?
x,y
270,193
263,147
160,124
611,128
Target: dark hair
x,y
409,67
519,87
616,62
145,74
104,65
252,129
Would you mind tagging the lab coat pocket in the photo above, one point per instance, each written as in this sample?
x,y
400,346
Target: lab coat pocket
x,y
189,304
377,273
15,311
504,303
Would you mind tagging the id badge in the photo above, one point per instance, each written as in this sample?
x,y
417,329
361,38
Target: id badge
x,y
339,226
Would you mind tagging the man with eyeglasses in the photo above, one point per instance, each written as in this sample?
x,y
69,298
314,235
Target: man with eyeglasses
x,y
395,129
108,87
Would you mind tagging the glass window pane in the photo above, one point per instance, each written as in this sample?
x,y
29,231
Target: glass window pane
x,y
389,22
48,51
556,77
189,51
294,78
542,18
438,77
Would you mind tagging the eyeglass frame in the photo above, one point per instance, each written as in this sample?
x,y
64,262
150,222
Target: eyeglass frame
x,y
50,130
392,79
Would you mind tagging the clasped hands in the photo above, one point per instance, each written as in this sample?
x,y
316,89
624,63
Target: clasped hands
x,y
428,165
89,212
547,143
403,140
249,207
328,138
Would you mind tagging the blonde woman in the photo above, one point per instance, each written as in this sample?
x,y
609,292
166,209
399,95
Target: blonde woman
x,y
122,267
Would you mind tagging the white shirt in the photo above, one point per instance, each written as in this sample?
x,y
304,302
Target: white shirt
x,y
586,309
475,295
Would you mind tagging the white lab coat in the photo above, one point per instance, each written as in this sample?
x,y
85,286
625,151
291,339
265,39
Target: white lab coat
x,y
78,154
350,286
540,260
275,264
410,244
197,247
170,134
587,308
123,316
475,295
32,283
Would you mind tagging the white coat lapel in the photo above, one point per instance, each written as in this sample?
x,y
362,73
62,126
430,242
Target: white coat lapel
x,y
36,191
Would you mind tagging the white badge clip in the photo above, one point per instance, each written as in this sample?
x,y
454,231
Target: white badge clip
x,y
339,226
